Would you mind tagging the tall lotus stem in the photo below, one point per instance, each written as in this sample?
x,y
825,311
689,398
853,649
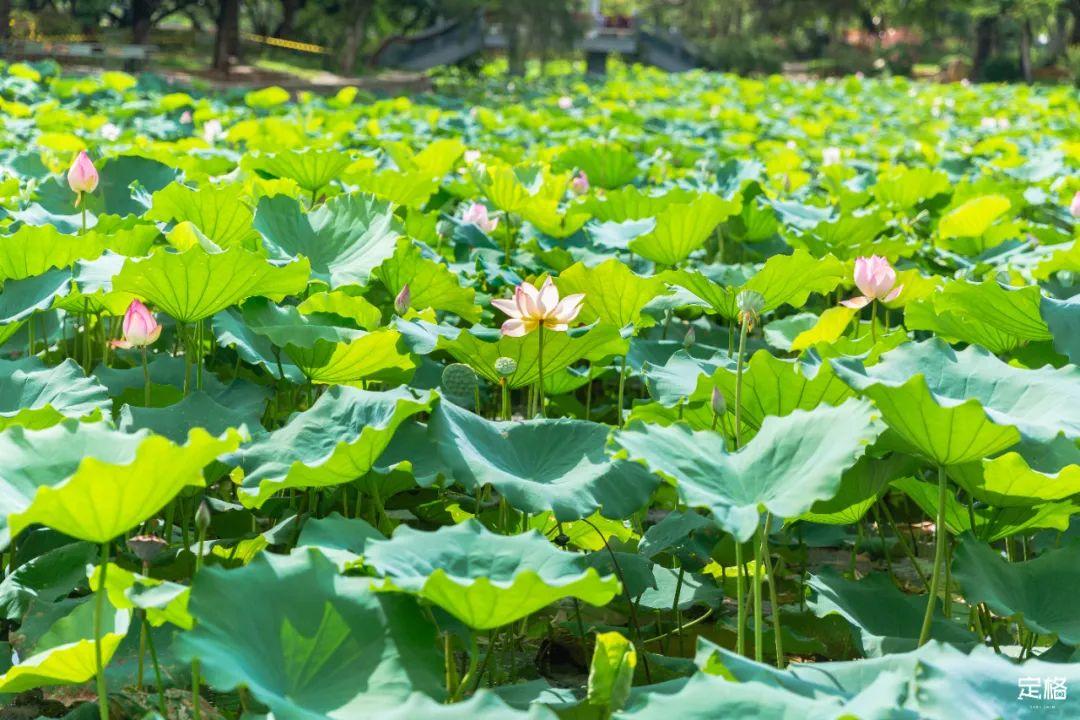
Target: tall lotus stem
x,y
939,556
622,387
750,305
540,369
758,614
99,613
146,378
873,323
774,600
740,592
202,524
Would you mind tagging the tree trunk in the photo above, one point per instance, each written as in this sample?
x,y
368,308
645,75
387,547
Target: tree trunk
x,y
1074,39
286,27
142,13
1025,51
985,29
227,42
354,34
5,19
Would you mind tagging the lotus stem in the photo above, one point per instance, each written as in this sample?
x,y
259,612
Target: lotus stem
x,y
759,623
675,607
450,664
82,198
738,384
939,556
99,613
740,592
146,378
157,667
540,370
196,682
622,388
903,544
774,595
873,322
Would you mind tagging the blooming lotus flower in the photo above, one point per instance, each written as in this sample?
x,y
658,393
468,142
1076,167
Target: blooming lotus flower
x,y
110,132
1074,208
566,102
875,277
141,328
82,176
477,214
580,184
532,308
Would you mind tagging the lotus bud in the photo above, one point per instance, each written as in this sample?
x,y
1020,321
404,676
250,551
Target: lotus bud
x,y
580,184
82,176
185,117
718,403
1075,207
146,547
202,518
506,366
401,302
689,338
140,326
750,304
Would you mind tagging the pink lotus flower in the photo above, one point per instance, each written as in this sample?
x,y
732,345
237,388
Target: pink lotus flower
x,y
141,328
110,132
566,102
875,277
580,184
212,130
1074,208
532,308
82,176
477,214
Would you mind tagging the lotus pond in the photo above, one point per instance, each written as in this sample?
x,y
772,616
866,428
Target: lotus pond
x,y
654,397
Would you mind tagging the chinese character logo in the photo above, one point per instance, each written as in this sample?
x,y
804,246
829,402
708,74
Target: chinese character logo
x,y
1030,688
1055,688
1042,688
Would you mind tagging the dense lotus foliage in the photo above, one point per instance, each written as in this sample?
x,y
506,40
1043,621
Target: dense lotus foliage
x,y
651,397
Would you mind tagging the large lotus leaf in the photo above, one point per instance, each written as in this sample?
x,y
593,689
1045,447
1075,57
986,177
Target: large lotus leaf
x,y
379,354
557,465
705,697
1063,320
163,601
355,308
345,239
605,164
336,441
48,577
65,654
231,330
22,298
974,217
431,284
860,487
31,250
772,386
411,189
987,313
36,396
196,284
614,294
484,705
90,482
631,203
286,325
561,350
126,185
1040,590
990,523
924,314
218,211
682,229
782,280
1031,474
483,579
311,169
315,644
792,462
885,619
343,540
197,410
904,188
911,380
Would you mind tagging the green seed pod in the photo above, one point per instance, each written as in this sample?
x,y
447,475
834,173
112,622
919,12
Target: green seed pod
x,y
146,547
459,384
506,366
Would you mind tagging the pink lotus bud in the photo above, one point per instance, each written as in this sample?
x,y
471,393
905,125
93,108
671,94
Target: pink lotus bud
x,y
875,278
401,302
530,308
141,328
477,214
82,175
1074,208
580,184
185,117
566,102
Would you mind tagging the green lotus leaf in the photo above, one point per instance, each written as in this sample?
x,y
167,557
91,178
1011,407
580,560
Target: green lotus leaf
x,y
1031,474
792,462
345,239
847,237
197,410
704,696
974,217
431,284
904,188
379,354
315,645
163,601
35,396
990,523
22,298
631,203
89,481
557,465
885,619
47,578
410,189
682,229
219,211
607,165
338,302
782,280
860,487
942,400
232,331
682,377
483,579
483,705
614,294
1063,320
437,157
311,169
195,284
772,386
126,184
343,540
286,325
986,313
336,441
561,350
31,250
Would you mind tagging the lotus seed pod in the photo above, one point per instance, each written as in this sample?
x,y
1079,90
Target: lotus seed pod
x,y
719,404
146,547
689,338
459,383
202,517
506,366
750,304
